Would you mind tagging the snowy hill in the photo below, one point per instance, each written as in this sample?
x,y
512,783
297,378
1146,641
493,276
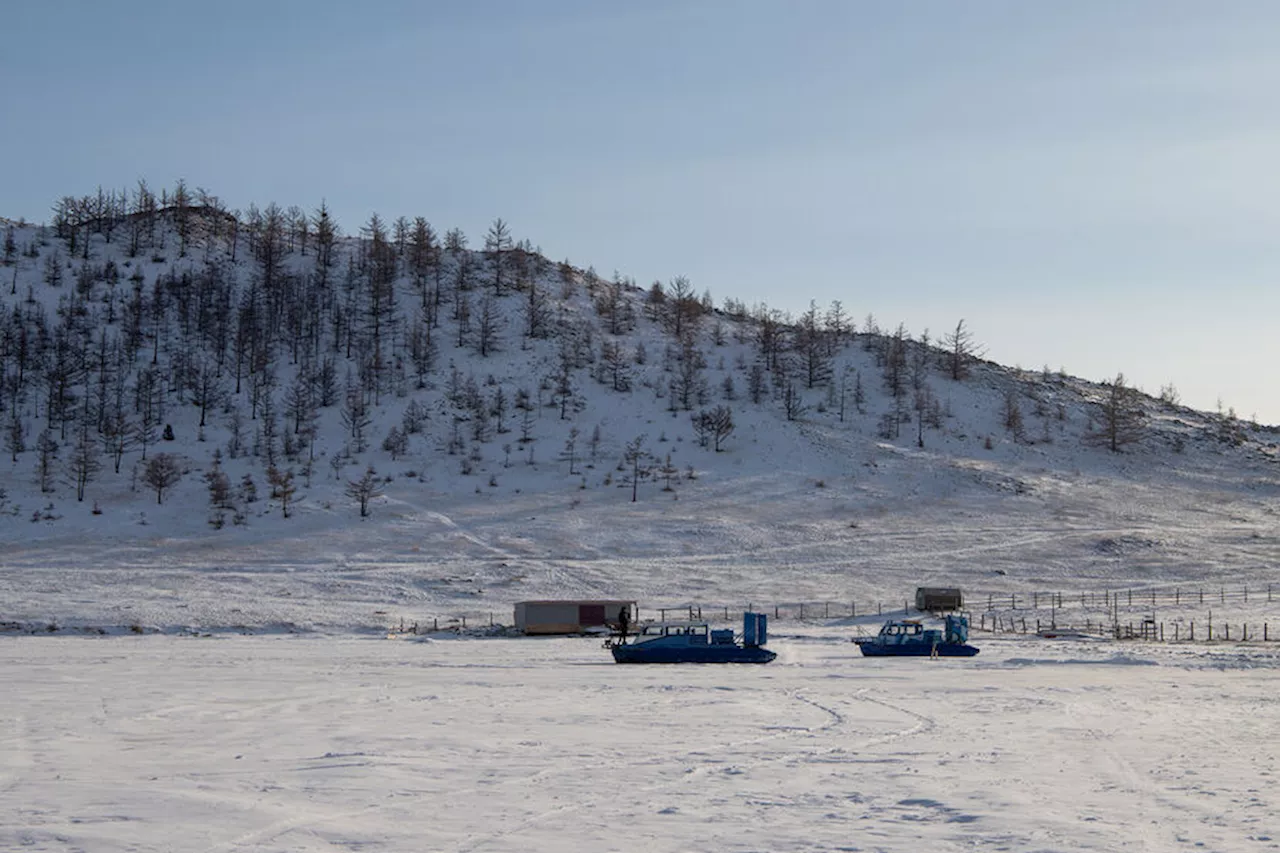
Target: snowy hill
x,y
196,404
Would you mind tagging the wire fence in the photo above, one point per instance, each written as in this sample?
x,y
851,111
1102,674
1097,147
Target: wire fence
x,y
1116,613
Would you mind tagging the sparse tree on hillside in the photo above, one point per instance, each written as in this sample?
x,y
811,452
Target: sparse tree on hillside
x,y
756,384
720,422
537,312
1011,416
163,472
793,404
396,443
770,337
10,246
614,307
180,201
837,326
1122,417
53,269
47,455
488,327
634,455
499,409
326,236
282,487
571,449
219,486
895,361
688,387
83,464
811,344
356,418
614,365
497,247
961,351
15,434
364,490
683,309
415,417
207,387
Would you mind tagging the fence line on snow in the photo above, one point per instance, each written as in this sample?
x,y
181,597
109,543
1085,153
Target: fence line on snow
x,y
1037,611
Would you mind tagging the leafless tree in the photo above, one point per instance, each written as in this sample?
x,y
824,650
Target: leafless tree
x,y
961,351
83,463
364,490
282,487
163,472
1123,420
634,455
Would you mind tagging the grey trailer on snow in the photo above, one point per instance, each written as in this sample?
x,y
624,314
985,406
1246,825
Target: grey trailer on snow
x,y
934,599
572,616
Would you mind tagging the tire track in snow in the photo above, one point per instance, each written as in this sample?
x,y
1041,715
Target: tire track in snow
x,y
833,721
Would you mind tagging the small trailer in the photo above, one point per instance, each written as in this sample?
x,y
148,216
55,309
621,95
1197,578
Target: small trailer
x,y
938,599
572,616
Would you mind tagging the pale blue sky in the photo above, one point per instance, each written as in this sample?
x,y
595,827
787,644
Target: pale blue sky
x,y
1090,184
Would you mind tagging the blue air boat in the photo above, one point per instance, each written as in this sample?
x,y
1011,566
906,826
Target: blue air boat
x,y
909,638
695,643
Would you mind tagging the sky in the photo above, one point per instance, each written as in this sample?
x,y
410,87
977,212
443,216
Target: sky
x,y
1089,186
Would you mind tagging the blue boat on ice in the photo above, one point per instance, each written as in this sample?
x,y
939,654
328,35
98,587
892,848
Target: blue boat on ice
x,y
696,643
909,638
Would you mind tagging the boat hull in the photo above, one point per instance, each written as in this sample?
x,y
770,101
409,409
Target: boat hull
x,y
872,649
637,653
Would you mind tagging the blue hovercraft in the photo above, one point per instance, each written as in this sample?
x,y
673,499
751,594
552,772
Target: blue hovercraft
x,y
909,638
695,643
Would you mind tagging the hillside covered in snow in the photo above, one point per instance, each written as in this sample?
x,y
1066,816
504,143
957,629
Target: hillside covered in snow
x,y
215,419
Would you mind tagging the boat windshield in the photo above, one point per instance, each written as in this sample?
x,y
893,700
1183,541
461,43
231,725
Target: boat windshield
x,y
661,630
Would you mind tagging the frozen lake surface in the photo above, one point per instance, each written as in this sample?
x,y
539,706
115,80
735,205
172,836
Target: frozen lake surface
x,y
310,743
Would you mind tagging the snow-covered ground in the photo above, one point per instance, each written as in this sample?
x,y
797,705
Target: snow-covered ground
x,y
311,743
